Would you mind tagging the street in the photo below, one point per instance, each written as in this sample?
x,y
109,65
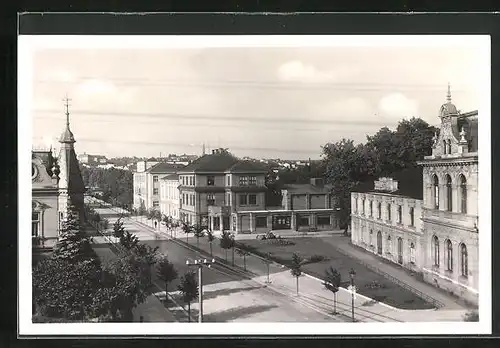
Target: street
x,y
227,296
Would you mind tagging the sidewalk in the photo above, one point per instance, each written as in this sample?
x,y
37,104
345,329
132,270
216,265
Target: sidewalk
x,y
343,245
312,292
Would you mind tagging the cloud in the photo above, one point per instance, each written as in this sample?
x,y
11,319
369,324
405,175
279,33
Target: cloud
x,y
95,86
352,109
398,105
297,71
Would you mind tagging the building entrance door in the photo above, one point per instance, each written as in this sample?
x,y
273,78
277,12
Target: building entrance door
x,y
400,251
379,243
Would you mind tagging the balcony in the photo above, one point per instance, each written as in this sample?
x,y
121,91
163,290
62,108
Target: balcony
x,y
224,210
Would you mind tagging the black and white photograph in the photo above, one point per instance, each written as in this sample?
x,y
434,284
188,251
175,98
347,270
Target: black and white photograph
x,y
254,185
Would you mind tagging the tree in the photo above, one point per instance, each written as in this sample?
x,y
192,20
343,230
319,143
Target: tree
x,y
296,268
73,245
198,231
243,253
63,288
129,241
471,316
167,273
210,237
118,229
226,242
168,222
189,288
332,282
187,229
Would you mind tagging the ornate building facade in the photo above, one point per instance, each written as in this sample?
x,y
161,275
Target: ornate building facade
x,y
56,185
437,230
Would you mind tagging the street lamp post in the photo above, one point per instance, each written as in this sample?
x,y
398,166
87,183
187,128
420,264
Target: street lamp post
x,y
352,274
199,263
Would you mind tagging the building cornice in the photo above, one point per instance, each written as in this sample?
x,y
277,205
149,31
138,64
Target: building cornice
x,y
448,161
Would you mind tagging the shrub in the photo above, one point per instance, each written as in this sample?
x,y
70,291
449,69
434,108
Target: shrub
x,y
316,258
471,316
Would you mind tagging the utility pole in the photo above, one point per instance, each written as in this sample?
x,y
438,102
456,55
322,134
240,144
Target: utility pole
x,y
200,263
352,274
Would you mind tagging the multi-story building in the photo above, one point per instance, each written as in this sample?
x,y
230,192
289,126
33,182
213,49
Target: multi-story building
x,y
445,232
169,195
56,185
92,159
386,218
147,182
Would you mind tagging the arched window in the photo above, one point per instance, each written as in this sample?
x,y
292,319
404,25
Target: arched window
x,y
464,265
400,214
435,243
412,216
435,191
389,245
389,212
449,255
449,146
449,198
463,194
445,148
379,210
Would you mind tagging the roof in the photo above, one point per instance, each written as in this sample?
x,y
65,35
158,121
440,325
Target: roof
x,y
164,168
215,162
410,184
307,188
67,136
171,177
248,166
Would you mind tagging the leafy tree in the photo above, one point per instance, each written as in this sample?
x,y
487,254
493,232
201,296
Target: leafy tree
x,y
167,273
189,288
129,241
332,282
63,288
210,237
198,231
243,253
471,316
118,229
168,222
226,242
73,245
296,268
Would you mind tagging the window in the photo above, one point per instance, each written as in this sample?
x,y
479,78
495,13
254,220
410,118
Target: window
x,y
210,199
260,221
449,146
35,224
191,198
371,208
155,178
243,199
389,212
371,238
156,204
436,250
389,245
210,180
323,220
379,210
191,180
448,193
445,148
184,199
463,194
412,253
400,214
435,191
412,216
464,266
363,206
252,199
253,181
183,181
243,180
302,221
155,191
449,255
229,180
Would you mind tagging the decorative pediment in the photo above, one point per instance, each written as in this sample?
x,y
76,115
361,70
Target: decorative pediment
x,y
37,205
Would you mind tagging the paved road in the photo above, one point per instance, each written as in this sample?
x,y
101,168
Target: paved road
x,y
228,297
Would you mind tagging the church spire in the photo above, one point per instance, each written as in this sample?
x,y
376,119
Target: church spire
x,y
67,135
448,96
203,154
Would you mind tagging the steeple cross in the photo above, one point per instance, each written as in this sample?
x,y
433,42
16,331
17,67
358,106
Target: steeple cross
x,y
66,104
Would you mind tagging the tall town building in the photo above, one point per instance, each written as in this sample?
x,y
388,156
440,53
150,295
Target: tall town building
x,y
169,196
147,182
56,185
436,230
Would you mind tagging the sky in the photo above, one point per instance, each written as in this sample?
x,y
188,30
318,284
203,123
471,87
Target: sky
x,y
263,102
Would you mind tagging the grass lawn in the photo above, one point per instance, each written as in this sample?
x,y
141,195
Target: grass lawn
x,y
386,292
